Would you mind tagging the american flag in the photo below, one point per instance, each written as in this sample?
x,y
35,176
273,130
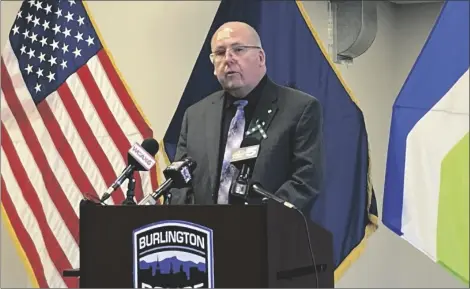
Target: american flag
x,y
68,121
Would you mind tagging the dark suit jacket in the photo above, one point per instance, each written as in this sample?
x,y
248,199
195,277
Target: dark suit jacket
x,y
290,160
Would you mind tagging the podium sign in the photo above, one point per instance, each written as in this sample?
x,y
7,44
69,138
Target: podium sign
x,y
196,246
173,254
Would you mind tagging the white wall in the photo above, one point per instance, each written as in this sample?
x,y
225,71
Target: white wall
x,y
169,41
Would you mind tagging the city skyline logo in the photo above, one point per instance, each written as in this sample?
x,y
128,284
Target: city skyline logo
x,y
173,254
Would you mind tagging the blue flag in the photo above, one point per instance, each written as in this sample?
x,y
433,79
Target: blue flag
x,y
347,206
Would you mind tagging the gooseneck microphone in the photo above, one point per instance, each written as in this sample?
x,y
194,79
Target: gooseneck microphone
x,y
139,158
257,188
178,175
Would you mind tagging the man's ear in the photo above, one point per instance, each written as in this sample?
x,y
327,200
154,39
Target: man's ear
x,y
262,57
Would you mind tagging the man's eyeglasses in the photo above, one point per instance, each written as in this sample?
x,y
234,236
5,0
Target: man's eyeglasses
x,y
234,50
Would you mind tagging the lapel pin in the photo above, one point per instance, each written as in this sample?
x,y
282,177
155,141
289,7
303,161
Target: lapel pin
x,y
262,132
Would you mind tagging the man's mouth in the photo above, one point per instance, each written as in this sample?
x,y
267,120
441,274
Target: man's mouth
x,y
231,73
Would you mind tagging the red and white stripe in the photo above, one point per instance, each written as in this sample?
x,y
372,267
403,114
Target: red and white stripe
x,y
74,142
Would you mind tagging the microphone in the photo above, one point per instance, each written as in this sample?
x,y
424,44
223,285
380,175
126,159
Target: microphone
x,y
139,158
244,160
257,188
177,175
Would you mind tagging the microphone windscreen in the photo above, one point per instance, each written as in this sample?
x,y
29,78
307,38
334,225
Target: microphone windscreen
x,y
191,163
151,146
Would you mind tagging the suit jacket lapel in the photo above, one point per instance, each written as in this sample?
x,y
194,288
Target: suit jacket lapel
x,y
212,127
264,112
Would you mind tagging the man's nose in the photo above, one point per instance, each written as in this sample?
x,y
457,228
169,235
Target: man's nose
x,y
228,57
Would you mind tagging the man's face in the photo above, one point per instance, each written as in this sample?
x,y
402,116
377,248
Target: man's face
x,y
237,62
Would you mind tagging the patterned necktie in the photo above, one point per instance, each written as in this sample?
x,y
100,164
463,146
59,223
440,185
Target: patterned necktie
x,y
234,140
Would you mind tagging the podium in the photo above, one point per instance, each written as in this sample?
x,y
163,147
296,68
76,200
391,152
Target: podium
x,y
201,246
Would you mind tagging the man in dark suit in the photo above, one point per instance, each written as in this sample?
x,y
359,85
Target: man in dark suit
x,y
290,160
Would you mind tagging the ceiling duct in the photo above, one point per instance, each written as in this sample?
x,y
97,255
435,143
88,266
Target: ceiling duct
x,y
352,28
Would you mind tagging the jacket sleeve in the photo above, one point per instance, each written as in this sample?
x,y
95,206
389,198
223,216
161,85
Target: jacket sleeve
x,y
180,195
305,181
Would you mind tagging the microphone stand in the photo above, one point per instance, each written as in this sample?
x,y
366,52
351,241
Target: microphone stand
x,y
130,191
162,191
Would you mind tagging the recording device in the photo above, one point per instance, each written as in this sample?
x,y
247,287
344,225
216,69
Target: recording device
x,y
139,158
257,188
244,160
178,175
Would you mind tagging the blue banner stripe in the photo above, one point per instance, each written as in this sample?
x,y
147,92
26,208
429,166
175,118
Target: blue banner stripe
x,y
443,60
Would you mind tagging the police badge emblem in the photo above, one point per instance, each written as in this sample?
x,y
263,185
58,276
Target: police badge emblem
x,y
173,254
